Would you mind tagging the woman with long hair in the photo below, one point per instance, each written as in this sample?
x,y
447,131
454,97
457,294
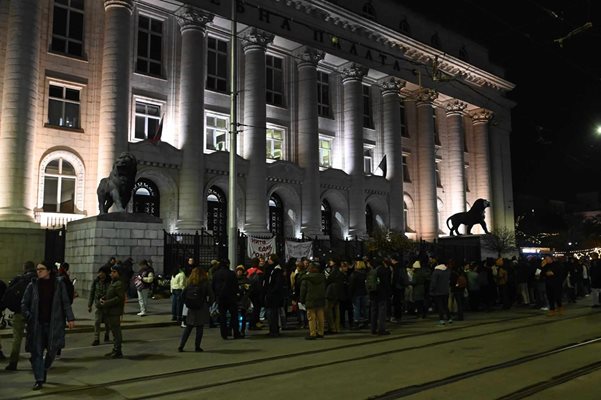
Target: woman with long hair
x,y
197,296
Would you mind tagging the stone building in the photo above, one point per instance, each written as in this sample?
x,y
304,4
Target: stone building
x,y
352,115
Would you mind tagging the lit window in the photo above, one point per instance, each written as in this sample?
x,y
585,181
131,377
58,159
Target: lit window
x,y
274,80
323,94
274,141
63,106
404,131
148,117
67,27
325,152
150,46
59,187
368,121
406,175
368,160
217,65
216,130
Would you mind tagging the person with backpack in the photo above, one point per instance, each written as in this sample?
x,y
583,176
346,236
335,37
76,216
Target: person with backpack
x,y
379,297
112,306
197,296
97,292
143,281
45,307
12,300
255,276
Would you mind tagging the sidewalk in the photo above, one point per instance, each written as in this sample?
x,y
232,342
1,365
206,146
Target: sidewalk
x,y
158,314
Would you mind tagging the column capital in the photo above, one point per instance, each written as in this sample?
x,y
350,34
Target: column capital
x,y
191,18
425,96
455,107
392,86
353,72
481,116
308,56
254,38
129,4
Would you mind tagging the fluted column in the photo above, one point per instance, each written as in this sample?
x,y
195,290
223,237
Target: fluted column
x,y
393,149
19,97
115,84
254,42
191,125
456,148
308,139
353,145
427,203
480,119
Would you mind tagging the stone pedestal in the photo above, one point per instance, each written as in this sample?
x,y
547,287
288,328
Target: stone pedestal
x,y
17,245
91,242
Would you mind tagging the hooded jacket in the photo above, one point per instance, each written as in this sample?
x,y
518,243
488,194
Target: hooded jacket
x,y
313,290
439,285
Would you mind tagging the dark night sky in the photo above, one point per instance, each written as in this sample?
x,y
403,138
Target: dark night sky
x,y
555,151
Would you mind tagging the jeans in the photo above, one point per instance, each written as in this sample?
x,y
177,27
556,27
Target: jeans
x,y
186,334
39,363
143,299
98,319
360,304
176,304
18,333
442,305
114,322
333,315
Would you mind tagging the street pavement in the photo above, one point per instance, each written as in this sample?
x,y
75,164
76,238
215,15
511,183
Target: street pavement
x,y
509,354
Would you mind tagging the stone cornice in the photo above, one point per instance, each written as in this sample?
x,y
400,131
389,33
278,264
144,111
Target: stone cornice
x,y
455,107
308,56
254,38
392,86
129,4
481,116
191,18
353,72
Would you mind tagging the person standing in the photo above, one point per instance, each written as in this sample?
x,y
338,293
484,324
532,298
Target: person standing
x,y
12,300
379,298
439,290
225,287
197,296
554,275
45,307
177,283
313,296
97,292
595,274
143,281
112,308
334,287
274,293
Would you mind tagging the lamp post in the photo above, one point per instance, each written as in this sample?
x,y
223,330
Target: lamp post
x,y
232,223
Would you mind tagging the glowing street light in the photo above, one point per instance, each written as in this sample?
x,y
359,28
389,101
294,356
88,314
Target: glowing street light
x,y
598,130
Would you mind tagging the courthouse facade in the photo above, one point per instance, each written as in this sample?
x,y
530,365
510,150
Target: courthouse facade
x,y
352,115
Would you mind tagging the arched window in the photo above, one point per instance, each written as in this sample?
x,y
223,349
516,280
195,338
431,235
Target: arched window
x,y
326,218
217,213
147,197
369,220
276,221
59,187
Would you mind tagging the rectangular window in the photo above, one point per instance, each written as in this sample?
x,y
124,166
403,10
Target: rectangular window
x,y
148,117
323,94
275,143
404,131
406,174
67,27
274,74
438,178
368,121
216,130
435,127
325,152
63,106
217,65
150,46
368,160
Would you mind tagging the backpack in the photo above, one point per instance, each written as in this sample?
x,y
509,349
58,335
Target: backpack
x,y
372,281
193,297
14,294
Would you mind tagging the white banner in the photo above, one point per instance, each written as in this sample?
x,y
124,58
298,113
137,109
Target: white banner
x,y
258,247
299,250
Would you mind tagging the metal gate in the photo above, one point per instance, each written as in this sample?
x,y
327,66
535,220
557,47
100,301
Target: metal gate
x,y
54,250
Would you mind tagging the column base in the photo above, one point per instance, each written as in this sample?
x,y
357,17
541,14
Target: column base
x,y
256,230
188,225
17,217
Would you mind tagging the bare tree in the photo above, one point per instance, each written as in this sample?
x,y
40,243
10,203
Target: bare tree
x,y
500,240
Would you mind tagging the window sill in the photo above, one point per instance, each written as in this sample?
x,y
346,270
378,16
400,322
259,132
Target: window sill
x,y
142,74
68,56
63,128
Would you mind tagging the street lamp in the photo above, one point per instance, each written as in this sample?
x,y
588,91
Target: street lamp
x,y
598,130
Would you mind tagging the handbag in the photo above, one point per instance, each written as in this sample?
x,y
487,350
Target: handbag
x,y
214,310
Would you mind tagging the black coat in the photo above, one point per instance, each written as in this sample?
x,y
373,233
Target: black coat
x,y
275,290
225,286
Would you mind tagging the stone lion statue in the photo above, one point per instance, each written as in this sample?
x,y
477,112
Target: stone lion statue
x,y
116,189
470,218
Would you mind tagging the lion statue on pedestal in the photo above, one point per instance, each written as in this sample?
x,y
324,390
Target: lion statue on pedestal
x,y
470,218
117,188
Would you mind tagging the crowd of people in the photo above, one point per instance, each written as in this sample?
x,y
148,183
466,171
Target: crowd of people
x,y
323,297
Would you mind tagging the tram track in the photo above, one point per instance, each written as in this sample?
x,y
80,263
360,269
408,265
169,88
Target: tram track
x,y
258,361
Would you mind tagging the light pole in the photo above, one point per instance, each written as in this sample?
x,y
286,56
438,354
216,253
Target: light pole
x,y
232,222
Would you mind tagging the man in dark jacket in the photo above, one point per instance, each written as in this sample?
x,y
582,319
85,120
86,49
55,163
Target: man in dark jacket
x,y
439,290
112,309
334,287
225,287
274,293
97,292
379,298
595,273
18,327
554,275
400,280
45,307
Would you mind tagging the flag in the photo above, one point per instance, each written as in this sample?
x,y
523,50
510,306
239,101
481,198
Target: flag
x,y
382,165
157,135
